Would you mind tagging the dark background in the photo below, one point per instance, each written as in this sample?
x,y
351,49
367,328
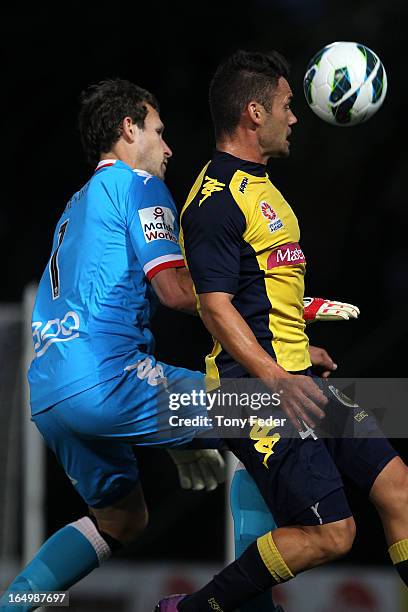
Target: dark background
x,y
347,186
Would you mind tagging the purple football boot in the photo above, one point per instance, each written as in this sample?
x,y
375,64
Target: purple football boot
x,y
169,604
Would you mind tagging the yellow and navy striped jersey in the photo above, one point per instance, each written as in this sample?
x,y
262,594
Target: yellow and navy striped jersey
x,y
240,236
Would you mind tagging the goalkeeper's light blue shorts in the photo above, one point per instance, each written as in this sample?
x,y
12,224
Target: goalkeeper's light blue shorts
x,y
92,432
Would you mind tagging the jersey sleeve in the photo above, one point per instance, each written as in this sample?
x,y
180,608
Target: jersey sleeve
x,y
212,234
153,225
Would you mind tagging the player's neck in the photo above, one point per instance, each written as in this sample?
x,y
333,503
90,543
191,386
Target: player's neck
x,y
122,153
242,144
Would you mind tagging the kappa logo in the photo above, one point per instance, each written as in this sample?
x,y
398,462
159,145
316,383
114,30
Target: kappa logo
x,y
147,176
158,223
210,186
269,214
243,184
264,443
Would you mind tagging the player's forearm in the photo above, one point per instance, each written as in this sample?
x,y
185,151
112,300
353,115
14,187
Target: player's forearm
x,y
174,288
188,300
227,326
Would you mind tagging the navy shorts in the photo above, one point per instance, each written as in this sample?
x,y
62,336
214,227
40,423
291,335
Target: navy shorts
x,y
301,478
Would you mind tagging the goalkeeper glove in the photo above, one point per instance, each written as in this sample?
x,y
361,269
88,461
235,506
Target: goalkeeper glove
x,y
319,309
199,469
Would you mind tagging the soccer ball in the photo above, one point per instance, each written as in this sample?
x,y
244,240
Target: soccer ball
x,y
345,83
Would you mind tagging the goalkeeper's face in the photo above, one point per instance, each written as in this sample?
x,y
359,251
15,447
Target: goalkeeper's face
x,y
275,131
152,152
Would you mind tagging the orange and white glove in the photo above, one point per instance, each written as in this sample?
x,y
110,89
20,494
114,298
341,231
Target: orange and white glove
x,y
319,309
199,469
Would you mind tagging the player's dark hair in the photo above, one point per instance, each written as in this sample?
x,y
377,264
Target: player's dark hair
x,y
104,105
240,78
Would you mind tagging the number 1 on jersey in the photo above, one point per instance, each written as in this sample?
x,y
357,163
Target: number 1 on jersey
x,y
53,265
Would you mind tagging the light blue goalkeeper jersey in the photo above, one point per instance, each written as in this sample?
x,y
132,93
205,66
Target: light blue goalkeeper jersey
x,y
92,312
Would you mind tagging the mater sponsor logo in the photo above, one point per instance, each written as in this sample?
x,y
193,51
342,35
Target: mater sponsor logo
x,y
289,254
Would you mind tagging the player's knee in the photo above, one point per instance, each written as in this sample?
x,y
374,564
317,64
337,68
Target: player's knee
x,y
390,491
126,529
398,499
330,541
133,527
337,538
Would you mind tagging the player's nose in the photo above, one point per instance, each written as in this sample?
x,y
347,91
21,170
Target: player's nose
x,y
167,151
292,118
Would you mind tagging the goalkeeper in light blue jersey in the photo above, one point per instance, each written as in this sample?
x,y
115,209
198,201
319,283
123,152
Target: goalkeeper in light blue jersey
x,y
96,387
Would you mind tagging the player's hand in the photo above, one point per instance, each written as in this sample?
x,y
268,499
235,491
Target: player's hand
x,y
301,400
321,361
199,469
319,309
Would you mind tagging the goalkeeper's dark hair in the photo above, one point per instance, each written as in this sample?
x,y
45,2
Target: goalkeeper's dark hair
x,y
240,78
104,105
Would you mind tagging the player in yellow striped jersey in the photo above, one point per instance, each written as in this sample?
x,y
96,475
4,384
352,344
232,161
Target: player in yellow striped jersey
x,y
242,245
